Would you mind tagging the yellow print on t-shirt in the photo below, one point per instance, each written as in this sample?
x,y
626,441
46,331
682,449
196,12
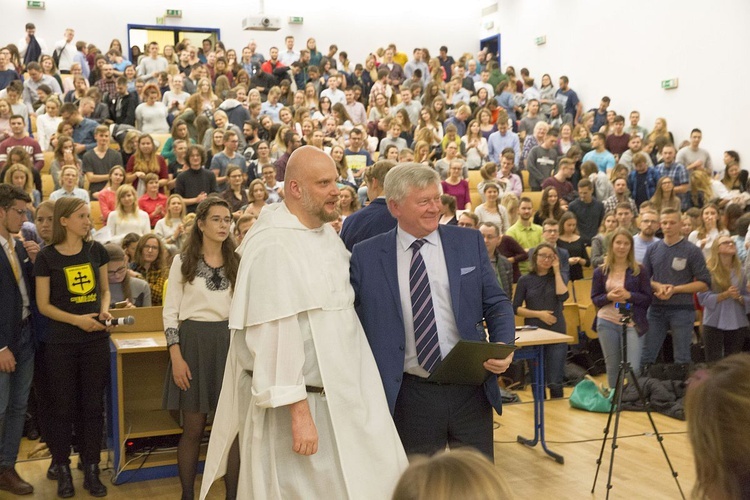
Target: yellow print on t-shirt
x,y
80,279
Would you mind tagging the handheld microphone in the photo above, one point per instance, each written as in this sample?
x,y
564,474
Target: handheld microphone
x,y
127,320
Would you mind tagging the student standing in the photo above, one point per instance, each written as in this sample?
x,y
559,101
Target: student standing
x,y
72,290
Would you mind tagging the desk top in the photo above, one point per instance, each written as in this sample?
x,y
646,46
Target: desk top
x,y
540,336
127,343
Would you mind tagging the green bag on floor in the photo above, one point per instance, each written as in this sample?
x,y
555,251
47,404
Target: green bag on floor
x,y
587,396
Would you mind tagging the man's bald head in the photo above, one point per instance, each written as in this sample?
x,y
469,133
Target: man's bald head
x,y
310,186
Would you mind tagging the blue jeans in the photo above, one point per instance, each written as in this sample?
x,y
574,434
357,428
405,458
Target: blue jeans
x,y
14,395
610,338
662,319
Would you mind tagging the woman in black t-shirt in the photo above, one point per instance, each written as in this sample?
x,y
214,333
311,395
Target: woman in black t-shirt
x,y
72,290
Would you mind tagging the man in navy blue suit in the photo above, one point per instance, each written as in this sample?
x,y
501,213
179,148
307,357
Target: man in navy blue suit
x,y
419,289
16,340
375,218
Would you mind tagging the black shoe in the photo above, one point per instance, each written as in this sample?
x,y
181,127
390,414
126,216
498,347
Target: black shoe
x,y
91,481
64,482
52,472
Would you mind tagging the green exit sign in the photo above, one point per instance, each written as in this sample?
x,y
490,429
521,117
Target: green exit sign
x,y
35,4
296,20
670,84
173,13
540,40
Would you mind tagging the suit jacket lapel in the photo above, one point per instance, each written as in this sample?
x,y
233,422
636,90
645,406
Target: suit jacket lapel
x,y
390,269
452,252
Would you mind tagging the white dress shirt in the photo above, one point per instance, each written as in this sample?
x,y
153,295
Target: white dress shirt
x,y
437,272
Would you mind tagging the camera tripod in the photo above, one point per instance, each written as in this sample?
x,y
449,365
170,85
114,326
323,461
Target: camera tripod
x,y
626,369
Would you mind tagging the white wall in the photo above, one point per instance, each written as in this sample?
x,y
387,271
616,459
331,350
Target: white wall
x,y
625,49
356,27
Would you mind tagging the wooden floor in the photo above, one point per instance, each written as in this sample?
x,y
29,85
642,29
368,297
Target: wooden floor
x,y
640,468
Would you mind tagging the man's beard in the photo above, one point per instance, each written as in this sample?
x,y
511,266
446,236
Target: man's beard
x,y
317,210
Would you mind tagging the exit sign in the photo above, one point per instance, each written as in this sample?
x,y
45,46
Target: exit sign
x,y
173,13
540,40
35,4
296,20
669,84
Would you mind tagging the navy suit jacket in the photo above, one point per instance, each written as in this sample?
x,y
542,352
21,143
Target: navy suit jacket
x,y
372,220
11,304
476,296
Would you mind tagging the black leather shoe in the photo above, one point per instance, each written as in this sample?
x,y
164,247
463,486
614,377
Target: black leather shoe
x,y
52,472
91,481
64,482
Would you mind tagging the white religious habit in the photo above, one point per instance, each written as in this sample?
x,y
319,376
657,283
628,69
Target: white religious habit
x,y
293,324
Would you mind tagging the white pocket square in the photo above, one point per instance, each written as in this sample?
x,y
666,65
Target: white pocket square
x,y
466,270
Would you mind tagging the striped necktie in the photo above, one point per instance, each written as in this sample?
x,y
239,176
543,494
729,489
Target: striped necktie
x,y
425,328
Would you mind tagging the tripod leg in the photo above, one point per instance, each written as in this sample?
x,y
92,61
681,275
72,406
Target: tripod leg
x,y
659,437
617,404
620,376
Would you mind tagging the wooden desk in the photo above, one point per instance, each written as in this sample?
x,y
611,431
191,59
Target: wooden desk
x,y
531,343
138,364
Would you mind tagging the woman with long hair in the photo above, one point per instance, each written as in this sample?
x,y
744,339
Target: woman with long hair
x,y
376,116
701,191
129,145
660,130
571,241
196,314
549,208
20,176
64,156
438,107
171,228
145,161
709,229
123,287
407,127
179,132
6,111
725,323
150,262
621,280
491,210
735,178
539,298
475,146
343,120
311,97
486,126
348,201
600,242
511,201
546,95
427,121
47,122
208,100
339,158
151,115
258,196
127,217
77,342
566,141
664,197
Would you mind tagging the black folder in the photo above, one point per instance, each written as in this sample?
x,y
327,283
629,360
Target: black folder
x,y
463,365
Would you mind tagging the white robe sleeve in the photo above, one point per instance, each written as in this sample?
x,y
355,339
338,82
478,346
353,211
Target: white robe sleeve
x,y
279,359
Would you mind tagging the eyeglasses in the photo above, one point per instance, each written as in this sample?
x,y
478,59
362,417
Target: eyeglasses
x,y
151,248
545,256
117,271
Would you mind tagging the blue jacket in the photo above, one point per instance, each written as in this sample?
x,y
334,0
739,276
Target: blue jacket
x,y
652,177
475,295
11,305
640,291
372,220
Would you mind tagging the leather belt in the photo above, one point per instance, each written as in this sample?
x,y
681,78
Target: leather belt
x,y
309,388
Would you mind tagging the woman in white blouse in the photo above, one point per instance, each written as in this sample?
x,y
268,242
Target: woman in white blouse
x,y
196,324
491,210
46,124
171,228
127,217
